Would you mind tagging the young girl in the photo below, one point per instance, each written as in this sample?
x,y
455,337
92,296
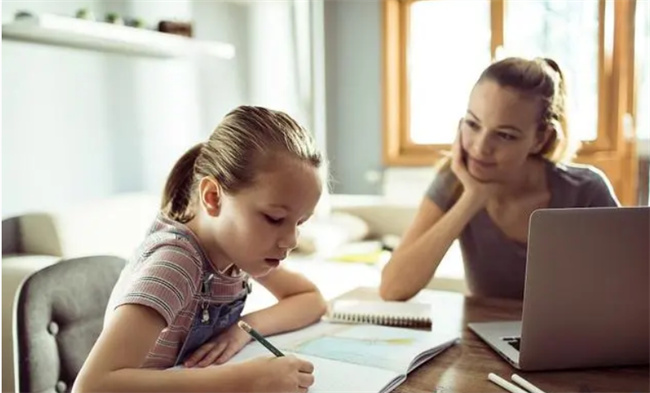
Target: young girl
x,y
231,209
506,163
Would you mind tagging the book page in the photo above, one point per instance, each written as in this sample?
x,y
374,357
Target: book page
x,y
330,375
383,347
336,377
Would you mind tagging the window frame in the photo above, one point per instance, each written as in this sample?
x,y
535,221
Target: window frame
x,y
615,80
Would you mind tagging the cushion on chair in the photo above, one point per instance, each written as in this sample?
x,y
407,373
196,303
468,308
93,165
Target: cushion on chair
x,y
59,315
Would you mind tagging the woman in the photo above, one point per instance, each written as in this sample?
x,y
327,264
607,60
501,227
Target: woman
x,y
506,162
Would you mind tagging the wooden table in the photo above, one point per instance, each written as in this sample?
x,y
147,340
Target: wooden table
x,y
465,366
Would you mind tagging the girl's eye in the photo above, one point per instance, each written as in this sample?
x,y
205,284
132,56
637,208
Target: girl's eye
x,y
273,220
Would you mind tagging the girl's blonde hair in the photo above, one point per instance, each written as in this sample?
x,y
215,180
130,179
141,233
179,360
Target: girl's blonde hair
x,y
235,153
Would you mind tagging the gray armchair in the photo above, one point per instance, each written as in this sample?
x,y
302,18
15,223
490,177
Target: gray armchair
x,y
59,314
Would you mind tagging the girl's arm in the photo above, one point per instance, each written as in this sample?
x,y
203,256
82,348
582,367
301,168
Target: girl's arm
x,y
300,303
424,245
113,364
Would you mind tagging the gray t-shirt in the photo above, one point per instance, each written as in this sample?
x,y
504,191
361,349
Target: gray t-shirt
x,y
495,265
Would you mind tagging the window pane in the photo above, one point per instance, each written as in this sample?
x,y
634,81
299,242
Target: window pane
x,y
642,54
566,31
449,46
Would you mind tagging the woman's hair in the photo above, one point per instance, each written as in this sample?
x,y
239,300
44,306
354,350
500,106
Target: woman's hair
x,y
246,139
540,79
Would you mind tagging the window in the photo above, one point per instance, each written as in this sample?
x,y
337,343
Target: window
x,y
435,49
566,31
446,90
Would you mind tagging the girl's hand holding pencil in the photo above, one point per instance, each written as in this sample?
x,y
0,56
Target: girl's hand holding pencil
x,y
285,373
278,374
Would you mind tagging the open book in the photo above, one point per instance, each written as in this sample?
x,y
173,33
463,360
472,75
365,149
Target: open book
x,y
356,358
400,314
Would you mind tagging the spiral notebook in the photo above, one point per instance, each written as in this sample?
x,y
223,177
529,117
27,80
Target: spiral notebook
x,y
399,314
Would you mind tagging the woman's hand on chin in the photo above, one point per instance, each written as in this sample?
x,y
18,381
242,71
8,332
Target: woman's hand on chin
x,y
476,190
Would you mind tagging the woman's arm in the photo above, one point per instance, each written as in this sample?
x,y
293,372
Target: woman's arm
x,y
300,303
424,245
113,364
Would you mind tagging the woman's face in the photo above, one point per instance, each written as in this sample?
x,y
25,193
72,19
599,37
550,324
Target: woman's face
x,y
500,131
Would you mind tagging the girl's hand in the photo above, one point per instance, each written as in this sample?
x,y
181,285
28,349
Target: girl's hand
x,y
286,374
220,348
475,189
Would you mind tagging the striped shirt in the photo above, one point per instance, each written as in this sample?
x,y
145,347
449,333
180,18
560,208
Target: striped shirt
x,y
166,274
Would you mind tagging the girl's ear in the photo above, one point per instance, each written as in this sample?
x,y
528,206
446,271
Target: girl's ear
x,y
210,195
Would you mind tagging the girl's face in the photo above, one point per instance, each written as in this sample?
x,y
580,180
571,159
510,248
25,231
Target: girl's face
x,y
499,132
257,227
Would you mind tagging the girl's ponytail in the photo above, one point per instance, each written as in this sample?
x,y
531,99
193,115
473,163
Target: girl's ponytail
x,y
177,194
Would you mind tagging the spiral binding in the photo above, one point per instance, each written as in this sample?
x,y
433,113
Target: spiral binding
x,y
386,320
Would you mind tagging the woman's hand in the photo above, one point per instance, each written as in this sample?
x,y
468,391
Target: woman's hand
x,y
286,374
478,191
219,349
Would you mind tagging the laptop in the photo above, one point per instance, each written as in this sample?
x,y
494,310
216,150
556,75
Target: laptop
x,y
586,295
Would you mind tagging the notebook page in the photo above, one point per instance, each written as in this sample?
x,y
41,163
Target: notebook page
x,y
331,376
387,348
371,307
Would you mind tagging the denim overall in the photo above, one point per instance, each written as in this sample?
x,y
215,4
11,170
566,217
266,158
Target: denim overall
x,y
211,318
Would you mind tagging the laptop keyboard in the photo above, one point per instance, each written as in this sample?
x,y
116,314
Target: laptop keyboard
x,y
513,341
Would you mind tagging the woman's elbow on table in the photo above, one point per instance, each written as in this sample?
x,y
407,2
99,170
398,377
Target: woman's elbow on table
x,y
391,289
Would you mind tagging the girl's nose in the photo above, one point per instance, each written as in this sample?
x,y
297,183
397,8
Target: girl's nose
x,y
290,240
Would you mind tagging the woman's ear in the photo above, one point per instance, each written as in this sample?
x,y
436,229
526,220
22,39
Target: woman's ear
x,y
210,195
543,139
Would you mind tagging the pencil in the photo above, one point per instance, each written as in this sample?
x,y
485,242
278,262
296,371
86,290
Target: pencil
x,y
525,384
505,384
248,329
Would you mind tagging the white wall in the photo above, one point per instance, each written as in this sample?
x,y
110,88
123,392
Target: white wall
x,y
354,88
275,72
51,143
80,125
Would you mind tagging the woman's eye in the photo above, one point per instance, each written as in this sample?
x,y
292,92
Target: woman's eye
x,y
506,136
273,220
472,124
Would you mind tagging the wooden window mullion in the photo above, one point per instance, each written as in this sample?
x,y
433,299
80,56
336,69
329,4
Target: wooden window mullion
x,y
497,21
